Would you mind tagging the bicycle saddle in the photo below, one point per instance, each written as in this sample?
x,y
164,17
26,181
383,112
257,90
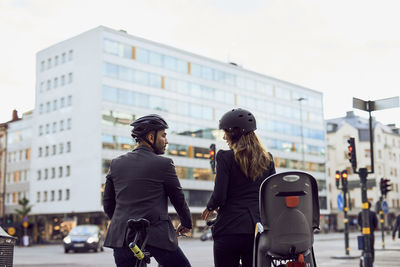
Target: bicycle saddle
x,y
138,224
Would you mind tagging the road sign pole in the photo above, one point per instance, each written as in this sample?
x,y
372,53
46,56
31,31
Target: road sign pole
x,y
346,225
366,230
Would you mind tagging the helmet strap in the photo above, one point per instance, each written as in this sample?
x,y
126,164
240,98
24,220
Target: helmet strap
x,y
153,146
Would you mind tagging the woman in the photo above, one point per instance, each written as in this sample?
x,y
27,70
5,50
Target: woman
x,y
240,172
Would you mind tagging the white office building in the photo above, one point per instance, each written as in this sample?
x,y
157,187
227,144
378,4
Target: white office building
x,y
90,87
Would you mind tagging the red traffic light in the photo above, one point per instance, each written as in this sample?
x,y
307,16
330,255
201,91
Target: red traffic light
x,y
211,152
337,175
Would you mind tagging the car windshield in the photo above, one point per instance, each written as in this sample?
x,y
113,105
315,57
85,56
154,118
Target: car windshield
x,y
84,230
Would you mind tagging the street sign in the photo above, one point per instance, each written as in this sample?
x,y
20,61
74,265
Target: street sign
x,y
340,202
392,102
11,231
386,103
385,207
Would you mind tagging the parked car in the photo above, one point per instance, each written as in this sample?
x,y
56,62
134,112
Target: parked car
x,y
207,235
84,238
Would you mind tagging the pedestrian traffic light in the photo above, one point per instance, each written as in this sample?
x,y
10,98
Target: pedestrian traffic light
x,y
344,176
212,157
352,153
385,186
337,178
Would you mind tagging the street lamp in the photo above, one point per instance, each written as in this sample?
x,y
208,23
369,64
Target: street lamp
x,y
301,131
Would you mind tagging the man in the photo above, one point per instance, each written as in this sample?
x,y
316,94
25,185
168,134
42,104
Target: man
x,y
396,227
138,185
373,223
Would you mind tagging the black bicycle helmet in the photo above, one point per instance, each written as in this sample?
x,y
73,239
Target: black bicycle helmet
x,y
238,122
143,125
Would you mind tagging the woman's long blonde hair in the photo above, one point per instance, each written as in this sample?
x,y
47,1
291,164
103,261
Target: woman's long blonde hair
x,y
251,155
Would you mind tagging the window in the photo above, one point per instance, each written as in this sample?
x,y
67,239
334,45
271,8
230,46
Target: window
x,y
54,127
61,148
16,177
69,101
54,150
28,154
62,102
42,66
63,58
68,171
60,171
62,80
38,197
70,77
48,84
46,153
40,152
70,55
46,174
55,60
41,86
61,125
55,83
52,195
47,128
49,63
59,194
69,124
53,173
67,194
45,196
41,130
55,102
68,146
48,107
41,109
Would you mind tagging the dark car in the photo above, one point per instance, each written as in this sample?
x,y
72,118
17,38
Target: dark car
x,y
84,238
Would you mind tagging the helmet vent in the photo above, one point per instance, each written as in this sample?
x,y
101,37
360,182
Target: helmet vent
x,y
240,115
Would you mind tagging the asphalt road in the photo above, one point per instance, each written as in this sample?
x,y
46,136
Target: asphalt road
x,y
199,253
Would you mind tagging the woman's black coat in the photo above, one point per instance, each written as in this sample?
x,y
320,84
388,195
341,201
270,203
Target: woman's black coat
x,y
236,196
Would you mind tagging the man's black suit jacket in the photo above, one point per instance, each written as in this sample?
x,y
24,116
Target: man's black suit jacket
x,y
138,185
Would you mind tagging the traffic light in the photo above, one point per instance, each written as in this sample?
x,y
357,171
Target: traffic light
x,y
212,157
352,153
385,186
337,178
344,176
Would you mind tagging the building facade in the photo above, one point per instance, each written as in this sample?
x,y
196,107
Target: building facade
x,y
18,168
3,158
386,163
91,87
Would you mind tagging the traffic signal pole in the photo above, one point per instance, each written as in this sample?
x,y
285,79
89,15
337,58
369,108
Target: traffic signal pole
x,y
366,230
345,209
382,221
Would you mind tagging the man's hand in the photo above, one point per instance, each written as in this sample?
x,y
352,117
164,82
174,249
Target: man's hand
x,y
182,230
206,213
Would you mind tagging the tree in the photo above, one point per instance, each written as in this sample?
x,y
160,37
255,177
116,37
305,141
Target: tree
x,y
25,208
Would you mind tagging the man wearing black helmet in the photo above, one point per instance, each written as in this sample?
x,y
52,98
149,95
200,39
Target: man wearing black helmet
x,y
138,185
240,172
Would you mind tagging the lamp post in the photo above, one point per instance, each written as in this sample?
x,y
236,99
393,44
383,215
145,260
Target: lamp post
x,y
301,131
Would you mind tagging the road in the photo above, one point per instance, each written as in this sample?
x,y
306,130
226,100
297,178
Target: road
x,y
200,253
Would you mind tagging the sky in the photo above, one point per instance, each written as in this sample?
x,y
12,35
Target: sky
x,y
343,49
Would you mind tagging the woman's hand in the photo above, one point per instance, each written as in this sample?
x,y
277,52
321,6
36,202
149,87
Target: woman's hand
x,y
206,214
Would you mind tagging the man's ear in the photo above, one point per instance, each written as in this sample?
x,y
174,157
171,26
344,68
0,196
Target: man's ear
x,y
150,137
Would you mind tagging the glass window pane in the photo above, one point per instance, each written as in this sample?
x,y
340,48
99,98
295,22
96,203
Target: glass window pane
x,y
142,55
155,59
109,94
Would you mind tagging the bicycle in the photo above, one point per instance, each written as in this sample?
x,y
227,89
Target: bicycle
x,y
138,245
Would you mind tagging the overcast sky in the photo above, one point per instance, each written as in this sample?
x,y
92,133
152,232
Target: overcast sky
x,y
340,48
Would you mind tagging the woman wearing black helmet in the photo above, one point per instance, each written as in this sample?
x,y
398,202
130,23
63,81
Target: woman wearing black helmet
x,y
240,172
